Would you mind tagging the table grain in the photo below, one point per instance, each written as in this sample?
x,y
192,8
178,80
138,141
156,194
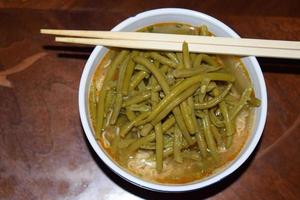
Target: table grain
x,y
43,150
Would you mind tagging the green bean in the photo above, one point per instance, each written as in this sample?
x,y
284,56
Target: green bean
x,y
243,101
209,60
254,102
141,68
154,95
172,56
169,151
128,73
183,73
182,87
100,105
137,79
197,61
217,136
163,60
164,69
159,147
116,109
109,100
176,101
119,97
201,140
127,127
130,115
213,102
192,58
146,129
141,86
214,119
208,135
139,108
124,143
168,124
180,59
204,30
212,85
203,89
140,97
186,114
177,145
186,56
227,121
139,142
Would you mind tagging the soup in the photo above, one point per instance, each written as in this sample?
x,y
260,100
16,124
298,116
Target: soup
x,y
171,117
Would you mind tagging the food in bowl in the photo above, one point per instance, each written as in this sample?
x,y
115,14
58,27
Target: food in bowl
x,y
171,117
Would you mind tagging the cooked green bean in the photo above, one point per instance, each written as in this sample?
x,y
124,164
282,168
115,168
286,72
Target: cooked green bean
x,y
119,97
159,147
186,113
243,101
217,136
128,73
201,140
100,105
141,86
172,56
209,60
141,68
214,119
180,59
176,101
127,127
142,96
186,56
177,145
154,94
208,135
116,109
204,30
183,73
213,102
137,79
227,121
130,115
168,124
163,60
139,142
139,108
203,89
197,61
147,128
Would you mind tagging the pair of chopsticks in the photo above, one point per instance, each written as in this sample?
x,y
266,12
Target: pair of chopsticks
x,y
173,42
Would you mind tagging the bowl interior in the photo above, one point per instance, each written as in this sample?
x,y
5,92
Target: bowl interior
x,y
188,17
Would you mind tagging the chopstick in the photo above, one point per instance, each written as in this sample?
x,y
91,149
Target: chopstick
x,y
173,42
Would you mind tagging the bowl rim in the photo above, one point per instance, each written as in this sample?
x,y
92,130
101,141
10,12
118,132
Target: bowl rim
x,y
156,186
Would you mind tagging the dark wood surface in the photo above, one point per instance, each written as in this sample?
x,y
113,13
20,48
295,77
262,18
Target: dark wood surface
x,y
43,151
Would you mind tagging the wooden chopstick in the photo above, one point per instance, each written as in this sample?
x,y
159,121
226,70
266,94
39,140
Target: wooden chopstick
x,y
197,48
280,44
173,42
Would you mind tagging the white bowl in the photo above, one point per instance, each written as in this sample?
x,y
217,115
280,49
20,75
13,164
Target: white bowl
x,y
194,18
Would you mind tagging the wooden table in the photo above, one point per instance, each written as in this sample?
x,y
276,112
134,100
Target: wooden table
x,y
43,151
